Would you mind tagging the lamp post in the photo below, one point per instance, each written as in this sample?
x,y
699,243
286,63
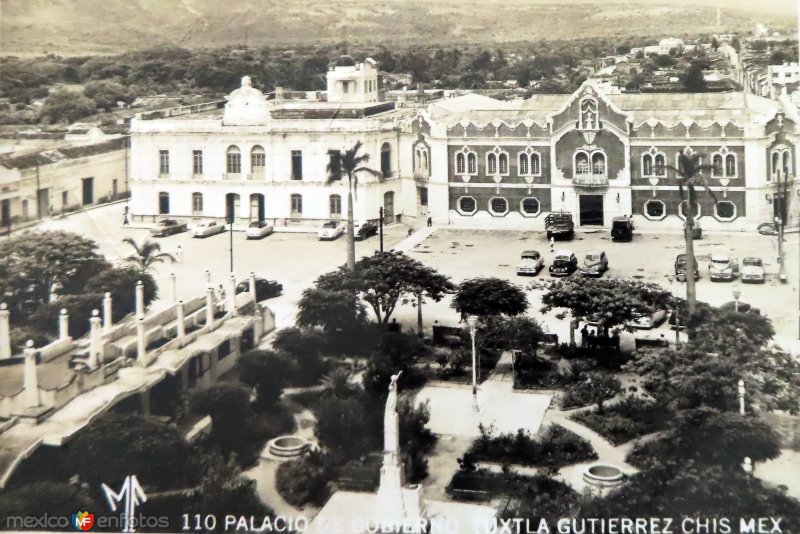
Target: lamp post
x,y
781,268
230,232
472,322
741,397
736,294
380,225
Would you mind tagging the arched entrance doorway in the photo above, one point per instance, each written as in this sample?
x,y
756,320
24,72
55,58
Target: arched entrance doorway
x,y
257,208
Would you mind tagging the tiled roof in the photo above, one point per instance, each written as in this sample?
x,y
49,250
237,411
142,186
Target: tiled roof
x,y
48,157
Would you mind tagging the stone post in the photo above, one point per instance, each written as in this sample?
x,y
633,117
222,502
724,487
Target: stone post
x,y
5,332
232,295
181,321
139,299
31,378
95,341
252,285
174,286
208,277
108,320
63,324
210,307
141,346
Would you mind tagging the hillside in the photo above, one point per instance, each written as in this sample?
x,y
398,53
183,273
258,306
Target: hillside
x,y
75,26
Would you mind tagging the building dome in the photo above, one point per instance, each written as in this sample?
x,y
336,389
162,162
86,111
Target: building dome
x,y
246,105
345,61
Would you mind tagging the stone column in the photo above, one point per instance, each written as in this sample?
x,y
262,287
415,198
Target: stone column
x,y
232,295
5,332
174,286
141,346
63,324
31,378
95,340
181,321
210,307
108,320
139,299
252,286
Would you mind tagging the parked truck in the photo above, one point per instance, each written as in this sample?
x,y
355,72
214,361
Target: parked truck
x,y
559,225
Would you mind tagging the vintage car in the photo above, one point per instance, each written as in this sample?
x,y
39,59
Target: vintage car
x,y
258,229
722,268
530,263
753,270
363,230
166,227
207,228
680,268
564,264
595,263
621,229
331,230
265,289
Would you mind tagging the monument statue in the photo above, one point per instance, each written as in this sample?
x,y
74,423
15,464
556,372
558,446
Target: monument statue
x,y
391,420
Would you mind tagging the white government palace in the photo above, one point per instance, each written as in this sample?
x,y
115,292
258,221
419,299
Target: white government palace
x,y
468,161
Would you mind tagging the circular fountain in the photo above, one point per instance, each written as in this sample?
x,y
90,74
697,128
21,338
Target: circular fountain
x,y
603,475
288,446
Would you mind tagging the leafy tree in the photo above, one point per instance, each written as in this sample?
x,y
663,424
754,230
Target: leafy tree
x,y
117,445
489,296
331,305
146,255
64,106
297,342
342,426
232,418
602,386
106,94
57,498
339,383
349,165
724,329
689,174
121,283
304,481
610,302
265,371
509,333
693,80
36,265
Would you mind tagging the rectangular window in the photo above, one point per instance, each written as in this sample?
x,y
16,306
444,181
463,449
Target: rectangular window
x,y
334,164
259,161
234,163
297,205
197,161
163,162
223,350
336,205
197,203
423,196
297,164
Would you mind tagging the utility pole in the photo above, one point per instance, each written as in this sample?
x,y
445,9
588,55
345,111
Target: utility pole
x,y
380,223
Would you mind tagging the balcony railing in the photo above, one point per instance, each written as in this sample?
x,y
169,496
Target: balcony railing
x,y
590,180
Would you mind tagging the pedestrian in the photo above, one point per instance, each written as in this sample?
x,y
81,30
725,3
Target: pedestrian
x,y
430,221
221,292
179,254
410,231
615,340
125,221
584,335
592,339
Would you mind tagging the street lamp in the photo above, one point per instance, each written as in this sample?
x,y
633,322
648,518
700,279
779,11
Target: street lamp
x,y
747,465
472,322
741,397
736,294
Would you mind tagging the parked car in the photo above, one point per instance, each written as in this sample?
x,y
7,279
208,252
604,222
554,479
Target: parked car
x,y
331,230
559,225
265,289
621,229
166,227
649,321
564,264
207,228
363,230
680,268
595,263
258,229
753,270
722,267
530,263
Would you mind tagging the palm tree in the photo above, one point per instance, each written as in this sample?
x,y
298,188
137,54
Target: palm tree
x,y
338,382
349,164
146,255
689,174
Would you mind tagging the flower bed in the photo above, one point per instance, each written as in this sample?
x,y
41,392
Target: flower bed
x,y
626,420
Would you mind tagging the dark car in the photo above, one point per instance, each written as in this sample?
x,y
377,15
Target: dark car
x,y
166,227
366,229
564,264
680,268
265,289
621,229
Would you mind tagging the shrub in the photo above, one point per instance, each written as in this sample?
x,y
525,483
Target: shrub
x,y
625,420
555,448
596,389
267,372
304,481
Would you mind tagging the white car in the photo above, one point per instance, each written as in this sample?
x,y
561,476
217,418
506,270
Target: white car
x,y
753,270
722,267
331,230
258,229
530,263
207,228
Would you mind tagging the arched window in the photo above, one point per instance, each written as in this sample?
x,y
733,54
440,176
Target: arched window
x,y
775,170
335,203
647,165
503,161
424,160
233,160
197,203
582,163
787,161
472,163
491,164
598,163
460,163
386,160
661,165
730,165
524,168
536,165
716,163
258,159
297,205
